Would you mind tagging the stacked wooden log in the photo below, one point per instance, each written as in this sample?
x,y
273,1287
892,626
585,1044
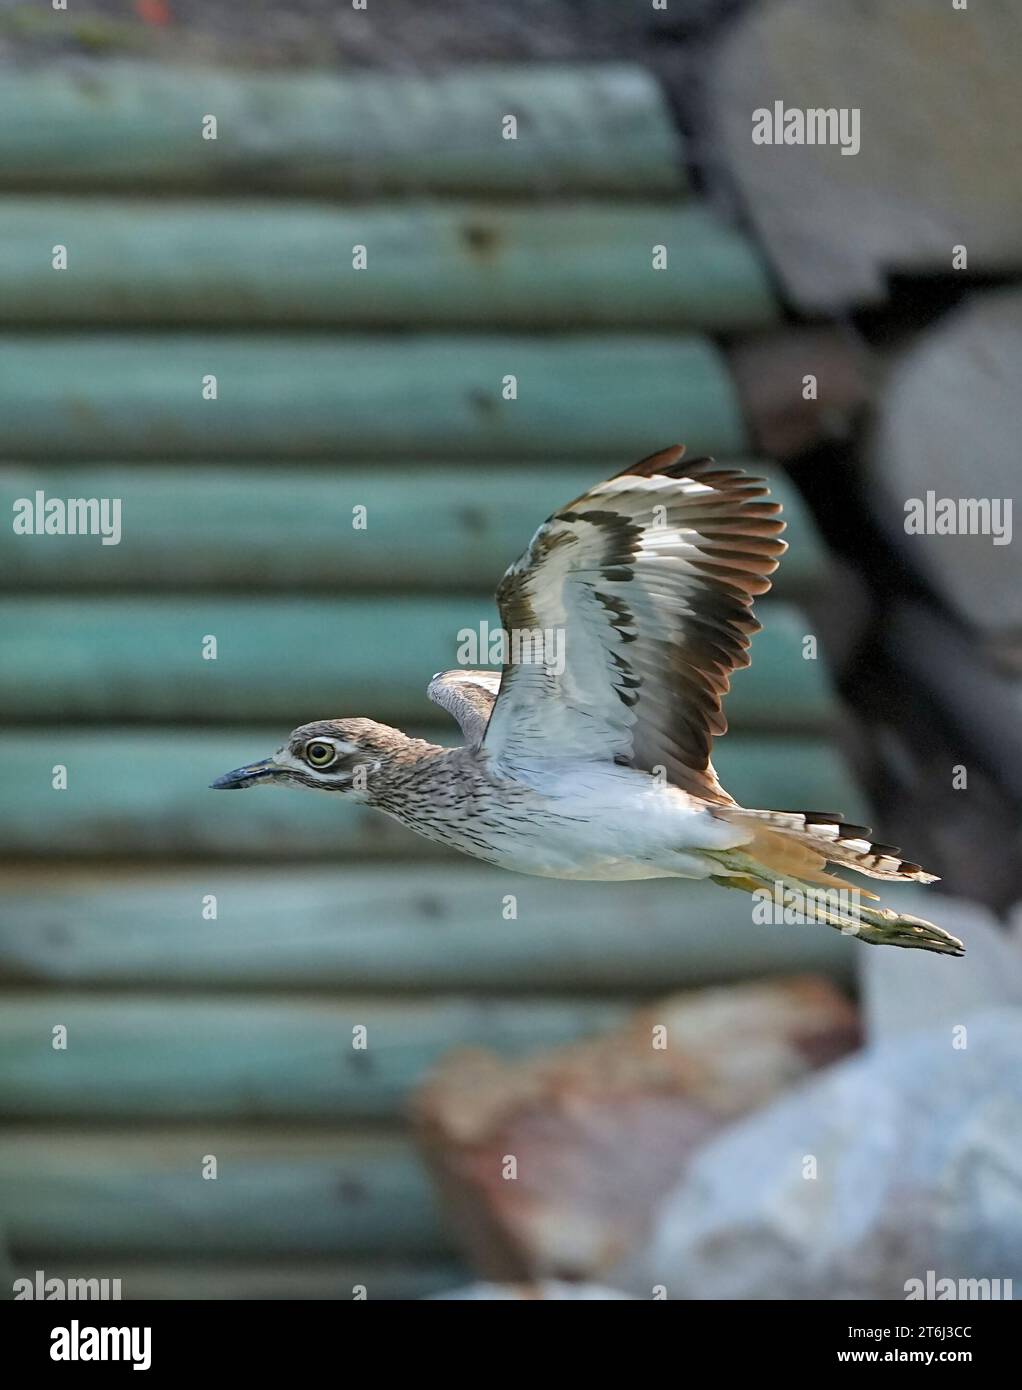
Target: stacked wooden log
x,y
210,1006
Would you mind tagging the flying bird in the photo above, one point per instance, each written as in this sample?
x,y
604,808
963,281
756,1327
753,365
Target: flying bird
x,y
597,765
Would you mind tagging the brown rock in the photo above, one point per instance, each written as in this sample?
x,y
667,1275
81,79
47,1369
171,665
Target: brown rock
x,y
597,1132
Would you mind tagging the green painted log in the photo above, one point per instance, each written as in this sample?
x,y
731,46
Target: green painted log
x,y
462,265
244,1059
294,660
601,130
313,395
304,1280
143,793
252,527
64,1194
409,928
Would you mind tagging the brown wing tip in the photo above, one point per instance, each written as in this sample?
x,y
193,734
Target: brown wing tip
x,y
661,462
670,463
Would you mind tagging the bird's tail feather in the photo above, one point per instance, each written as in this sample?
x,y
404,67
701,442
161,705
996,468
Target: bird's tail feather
x,y
840,842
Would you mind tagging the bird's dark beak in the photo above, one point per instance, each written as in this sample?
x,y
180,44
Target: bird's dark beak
x,y
245,776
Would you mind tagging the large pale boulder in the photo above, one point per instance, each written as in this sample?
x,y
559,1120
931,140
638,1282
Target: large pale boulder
x,y
903,1160
933,108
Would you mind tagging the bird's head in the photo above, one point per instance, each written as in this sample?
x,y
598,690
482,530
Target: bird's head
x,y
331,755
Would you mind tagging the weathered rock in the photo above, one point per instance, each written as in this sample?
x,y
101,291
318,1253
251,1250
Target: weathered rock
x,y
957,802
948,428
917,1147
908,991
937,164
596,1133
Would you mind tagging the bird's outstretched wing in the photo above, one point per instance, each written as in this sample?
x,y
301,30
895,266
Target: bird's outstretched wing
x,y
649,579
469,697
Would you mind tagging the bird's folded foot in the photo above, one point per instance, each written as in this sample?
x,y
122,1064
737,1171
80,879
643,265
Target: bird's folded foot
x,y
883,927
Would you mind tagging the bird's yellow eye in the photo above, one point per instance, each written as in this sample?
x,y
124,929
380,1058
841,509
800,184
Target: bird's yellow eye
x,y
318,754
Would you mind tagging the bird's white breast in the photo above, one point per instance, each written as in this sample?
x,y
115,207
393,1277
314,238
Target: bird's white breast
x,y
581,820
